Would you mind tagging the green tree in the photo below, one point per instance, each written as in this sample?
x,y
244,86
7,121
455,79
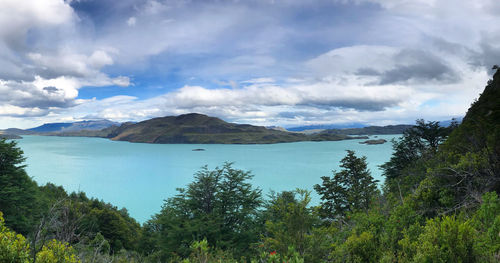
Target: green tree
x,y
407,166
18,191
351,189
362,248
487,223
220,205
290,224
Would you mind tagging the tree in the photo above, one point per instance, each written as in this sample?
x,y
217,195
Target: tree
x,y
219,206
407,166
290,222
17,190
351,189
417,142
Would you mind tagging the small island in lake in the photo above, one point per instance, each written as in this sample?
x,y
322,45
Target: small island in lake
x,y
198,150
373,142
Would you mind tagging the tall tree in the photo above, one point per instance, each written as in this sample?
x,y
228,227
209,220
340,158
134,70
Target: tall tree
x,y
289,222
220,205
17,190
407,166
351,189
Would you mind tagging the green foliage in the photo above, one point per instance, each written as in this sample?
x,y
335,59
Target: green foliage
x,y
351,189
13,247
292,256
487,223
445,240
17,190
408,164
114,226
362,248
290,223
57,252
403,221
220,205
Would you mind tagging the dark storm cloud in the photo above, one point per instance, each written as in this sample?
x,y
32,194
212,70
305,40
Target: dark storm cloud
x,y
418,66
363,104
367,72
490,55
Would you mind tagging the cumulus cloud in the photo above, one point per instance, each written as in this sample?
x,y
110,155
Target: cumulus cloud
x,y
18,17
39,74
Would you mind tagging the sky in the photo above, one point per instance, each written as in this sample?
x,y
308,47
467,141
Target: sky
x,y
263,62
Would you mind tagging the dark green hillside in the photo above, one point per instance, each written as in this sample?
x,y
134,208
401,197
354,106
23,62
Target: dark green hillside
x,y
481,125
470,158
199,128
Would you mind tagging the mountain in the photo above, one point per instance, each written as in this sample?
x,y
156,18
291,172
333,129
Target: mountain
x,y
15,131
325,127
50,127
361,129
370,130
200,129
73,126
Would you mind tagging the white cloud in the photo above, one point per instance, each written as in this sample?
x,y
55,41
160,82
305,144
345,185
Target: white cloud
x,y
17,17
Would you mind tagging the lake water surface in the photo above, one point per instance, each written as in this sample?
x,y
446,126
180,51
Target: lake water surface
x,y
140,176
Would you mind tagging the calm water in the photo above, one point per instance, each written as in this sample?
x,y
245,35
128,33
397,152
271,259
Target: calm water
x,y
140,176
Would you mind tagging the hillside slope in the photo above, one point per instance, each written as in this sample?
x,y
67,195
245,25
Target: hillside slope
x,y
477,139
200,129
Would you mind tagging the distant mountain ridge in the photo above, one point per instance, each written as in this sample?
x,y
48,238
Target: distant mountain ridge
x,y
361,129
325,127
52,128
371,130
73,126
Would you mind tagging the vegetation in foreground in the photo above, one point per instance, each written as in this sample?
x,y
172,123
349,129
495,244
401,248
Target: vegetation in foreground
x,y
439,203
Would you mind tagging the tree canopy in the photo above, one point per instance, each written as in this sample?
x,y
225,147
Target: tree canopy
x,y
350,189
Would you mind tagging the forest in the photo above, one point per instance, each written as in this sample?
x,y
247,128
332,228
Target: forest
x,y
438,203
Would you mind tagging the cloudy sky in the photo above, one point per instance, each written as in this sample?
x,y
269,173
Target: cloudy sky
x,y
264,62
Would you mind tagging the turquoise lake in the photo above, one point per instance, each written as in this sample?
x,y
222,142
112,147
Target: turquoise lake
x,y
140,176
